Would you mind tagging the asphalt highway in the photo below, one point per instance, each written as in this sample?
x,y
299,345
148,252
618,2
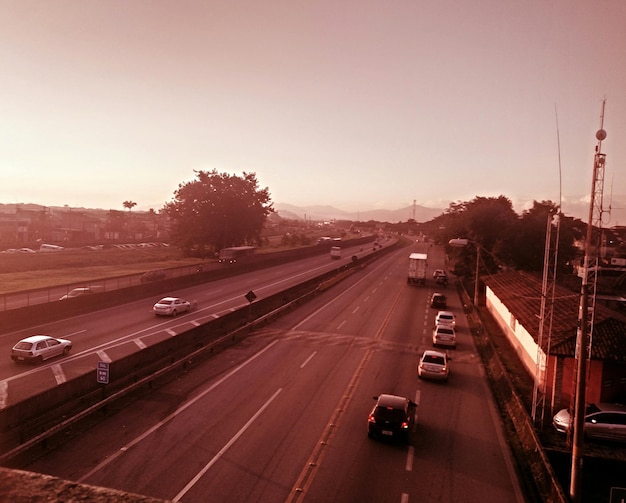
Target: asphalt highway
x,y
282,416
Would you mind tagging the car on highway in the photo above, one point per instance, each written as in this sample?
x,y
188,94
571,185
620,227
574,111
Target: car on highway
x,y
434,365
444,335
392,417
438,301
77,292
441,277
445,318
37,348
171,306
605,421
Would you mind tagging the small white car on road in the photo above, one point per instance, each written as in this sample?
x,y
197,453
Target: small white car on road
x,y
445,318
38,348
172,306
444,335
434,365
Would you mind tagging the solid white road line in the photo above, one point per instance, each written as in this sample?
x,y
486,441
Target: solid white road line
x,y
199,475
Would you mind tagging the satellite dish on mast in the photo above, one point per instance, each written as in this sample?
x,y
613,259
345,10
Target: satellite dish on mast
x,y
601,134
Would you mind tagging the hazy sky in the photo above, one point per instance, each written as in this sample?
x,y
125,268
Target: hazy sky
x,y
358,104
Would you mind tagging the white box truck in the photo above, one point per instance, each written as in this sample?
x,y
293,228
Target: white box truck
x,y
417,269
335,252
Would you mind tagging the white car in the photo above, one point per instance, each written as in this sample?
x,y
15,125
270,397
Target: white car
x,y
38,348
444,335
77,292
605,421
171,306
445,318
433,365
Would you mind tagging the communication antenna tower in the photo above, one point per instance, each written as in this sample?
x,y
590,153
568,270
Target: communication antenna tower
x,y
584,335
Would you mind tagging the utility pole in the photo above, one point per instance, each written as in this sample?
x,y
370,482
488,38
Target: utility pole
x,y
584,326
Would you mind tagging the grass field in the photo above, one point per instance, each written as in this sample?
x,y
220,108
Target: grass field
x,y
25,271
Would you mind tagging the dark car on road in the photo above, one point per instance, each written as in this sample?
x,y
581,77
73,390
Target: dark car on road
x,y
438,301
392,417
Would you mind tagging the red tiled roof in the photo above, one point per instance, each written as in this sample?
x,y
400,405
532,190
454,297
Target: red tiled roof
x,y
521,293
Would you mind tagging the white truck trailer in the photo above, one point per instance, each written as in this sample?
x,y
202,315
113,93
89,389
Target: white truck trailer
x,y
417,269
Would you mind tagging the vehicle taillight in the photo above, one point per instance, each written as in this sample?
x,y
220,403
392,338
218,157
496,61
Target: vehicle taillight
x,y
371,419
405,425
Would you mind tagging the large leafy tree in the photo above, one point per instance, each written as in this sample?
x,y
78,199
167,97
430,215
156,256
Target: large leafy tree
x,y
217,210
488,222
530,238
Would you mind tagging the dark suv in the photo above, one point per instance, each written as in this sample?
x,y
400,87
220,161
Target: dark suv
x,y
392,417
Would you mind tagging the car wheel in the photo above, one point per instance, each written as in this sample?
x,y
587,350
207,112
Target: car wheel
x,y
174,313
66,350
39,359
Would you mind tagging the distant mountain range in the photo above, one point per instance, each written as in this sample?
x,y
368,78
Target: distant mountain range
x,y
419,213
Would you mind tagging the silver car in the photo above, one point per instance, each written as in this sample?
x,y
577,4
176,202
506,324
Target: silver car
x,y
604,421
444,335
171,306
445,318
433,365
38,348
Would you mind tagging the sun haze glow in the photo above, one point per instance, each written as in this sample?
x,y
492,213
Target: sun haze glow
x,y
356,104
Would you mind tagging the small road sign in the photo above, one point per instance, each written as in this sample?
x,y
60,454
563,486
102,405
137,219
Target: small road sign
x,y
102,372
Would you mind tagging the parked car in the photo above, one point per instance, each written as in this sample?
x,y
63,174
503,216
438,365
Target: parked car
x,y
445,318
392,417
433,365
604,421
77,292
438,301
171,306
444,335
38,348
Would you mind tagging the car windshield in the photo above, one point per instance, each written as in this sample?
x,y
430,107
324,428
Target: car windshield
x,y
434,359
